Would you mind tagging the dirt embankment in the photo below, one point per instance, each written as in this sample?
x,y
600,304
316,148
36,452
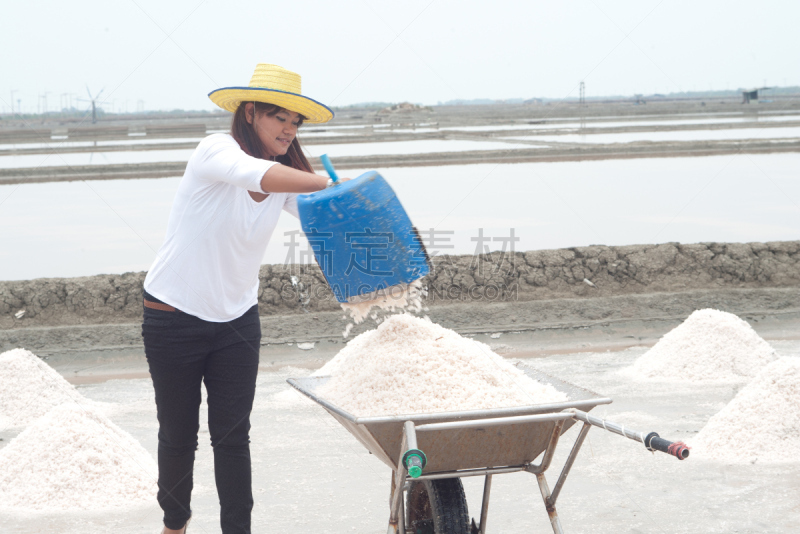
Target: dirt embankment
x,y
581,272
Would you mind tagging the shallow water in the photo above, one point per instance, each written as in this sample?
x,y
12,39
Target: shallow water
x,y
114,226
427,146
591,122
333,150
93,158
136,141
680,135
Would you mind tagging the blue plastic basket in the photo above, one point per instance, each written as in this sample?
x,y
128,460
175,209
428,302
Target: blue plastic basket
x,y
362,237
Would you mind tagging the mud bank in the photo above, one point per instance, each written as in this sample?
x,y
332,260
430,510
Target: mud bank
x,y
574,324
574,273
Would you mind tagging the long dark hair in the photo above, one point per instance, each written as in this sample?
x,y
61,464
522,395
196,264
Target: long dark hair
x,y
245,134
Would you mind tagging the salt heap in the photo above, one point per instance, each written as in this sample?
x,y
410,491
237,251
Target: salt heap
x,y
411,365
709,346
29,388
761,423
75,458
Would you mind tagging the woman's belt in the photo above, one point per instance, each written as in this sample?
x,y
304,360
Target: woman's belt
x,y
158,306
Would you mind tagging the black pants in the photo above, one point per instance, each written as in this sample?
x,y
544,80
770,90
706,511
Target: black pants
x,y
181,351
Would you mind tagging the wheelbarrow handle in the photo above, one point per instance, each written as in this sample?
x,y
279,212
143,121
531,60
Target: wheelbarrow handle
x,y
652,441
678,449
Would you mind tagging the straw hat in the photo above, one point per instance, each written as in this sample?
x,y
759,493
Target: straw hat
x,y
273,85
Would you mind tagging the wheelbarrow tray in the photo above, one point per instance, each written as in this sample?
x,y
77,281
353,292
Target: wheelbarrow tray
x,y
511,444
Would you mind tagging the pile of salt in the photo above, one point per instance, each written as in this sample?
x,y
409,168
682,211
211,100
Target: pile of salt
x,y
411,365
74,458
709,346
29,388
761,423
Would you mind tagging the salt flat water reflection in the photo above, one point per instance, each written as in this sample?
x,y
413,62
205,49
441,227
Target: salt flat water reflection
x,y
85,228
93,158
742,134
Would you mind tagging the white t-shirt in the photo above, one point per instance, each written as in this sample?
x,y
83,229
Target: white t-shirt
x,y
217,234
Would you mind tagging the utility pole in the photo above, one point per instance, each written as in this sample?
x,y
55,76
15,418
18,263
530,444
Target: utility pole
x,y
582,104
12,101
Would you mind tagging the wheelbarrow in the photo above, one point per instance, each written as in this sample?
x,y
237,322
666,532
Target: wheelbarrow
x,y
430,453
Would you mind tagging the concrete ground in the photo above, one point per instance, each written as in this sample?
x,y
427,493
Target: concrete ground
x,y
311,475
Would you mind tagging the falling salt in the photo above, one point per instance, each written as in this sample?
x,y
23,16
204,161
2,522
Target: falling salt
x,y
396,298
762,422
411,365
347,330
709,346
74,458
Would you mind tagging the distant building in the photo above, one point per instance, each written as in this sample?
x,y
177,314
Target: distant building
x,y
752,94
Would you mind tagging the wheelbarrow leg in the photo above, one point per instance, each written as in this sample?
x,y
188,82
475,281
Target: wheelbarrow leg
x,y
487,487
550,498
570,460
551,509
397,518
539,470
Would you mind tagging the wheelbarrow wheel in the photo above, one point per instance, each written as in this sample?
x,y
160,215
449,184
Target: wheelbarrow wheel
x,y
437,507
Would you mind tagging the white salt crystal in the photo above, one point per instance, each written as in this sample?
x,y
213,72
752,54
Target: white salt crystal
x,y
761,423
347,330
411,365
29,388
408,297
496,335
305,346
709,346
75,458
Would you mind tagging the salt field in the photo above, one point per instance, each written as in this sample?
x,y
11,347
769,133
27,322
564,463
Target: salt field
x,y
66,144
114,226
401,147
686,135
333,150
572,124
550,264
93,158
308,471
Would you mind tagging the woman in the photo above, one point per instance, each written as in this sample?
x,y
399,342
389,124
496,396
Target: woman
x,y
200,300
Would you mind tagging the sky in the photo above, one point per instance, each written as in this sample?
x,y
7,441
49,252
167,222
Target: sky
x,y
157,55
